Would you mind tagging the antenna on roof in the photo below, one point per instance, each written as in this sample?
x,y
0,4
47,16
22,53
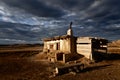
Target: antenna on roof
x,y
69,31
71,25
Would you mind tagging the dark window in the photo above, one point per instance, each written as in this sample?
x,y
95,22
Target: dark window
x,y
83,43
58,46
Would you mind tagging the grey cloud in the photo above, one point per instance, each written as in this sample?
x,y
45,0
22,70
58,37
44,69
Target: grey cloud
x,y
27,32
101,11
71,5
35,7
91,18
105,11
98,10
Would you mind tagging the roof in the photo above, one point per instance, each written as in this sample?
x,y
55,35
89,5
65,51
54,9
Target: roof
x,y
57,37
97,38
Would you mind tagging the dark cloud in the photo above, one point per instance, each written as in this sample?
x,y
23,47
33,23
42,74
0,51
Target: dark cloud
x,y
90,18
28,32
101,11
98,10
72,5
35,7
105,11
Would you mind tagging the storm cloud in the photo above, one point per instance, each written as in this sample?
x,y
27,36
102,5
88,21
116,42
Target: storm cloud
x,y
35,7
34,20
100,10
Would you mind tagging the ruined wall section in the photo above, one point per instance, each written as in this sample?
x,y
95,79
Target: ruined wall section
x,y
60,45
84,47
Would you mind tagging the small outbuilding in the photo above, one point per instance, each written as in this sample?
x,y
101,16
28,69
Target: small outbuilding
x,y
93,48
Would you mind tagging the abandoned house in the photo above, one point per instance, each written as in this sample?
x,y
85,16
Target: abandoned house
x,y
64,48
93,48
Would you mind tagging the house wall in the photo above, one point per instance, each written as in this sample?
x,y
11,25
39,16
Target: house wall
x,y
64,45
84,47
92,48
73,45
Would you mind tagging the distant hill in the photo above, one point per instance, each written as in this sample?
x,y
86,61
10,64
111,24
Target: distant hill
x,y
114,43
114,47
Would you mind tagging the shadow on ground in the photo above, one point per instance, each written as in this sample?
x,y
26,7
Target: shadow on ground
x,y
95,68
106,56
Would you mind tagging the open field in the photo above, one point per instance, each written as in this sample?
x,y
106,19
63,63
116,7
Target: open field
x,y
114,50
25,65
26,69
22,47
23,50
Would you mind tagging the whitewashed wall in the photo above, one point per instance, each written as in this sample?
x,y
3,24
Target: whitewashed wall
x,y
84,47
64,44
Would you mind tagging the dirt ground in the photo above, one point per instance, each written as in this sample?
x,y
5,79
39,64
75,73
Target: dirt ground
x,y
105,70
32,68
27,69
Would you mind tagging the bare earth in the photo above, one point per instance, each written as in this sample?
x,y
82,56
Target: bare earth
x,y
31,67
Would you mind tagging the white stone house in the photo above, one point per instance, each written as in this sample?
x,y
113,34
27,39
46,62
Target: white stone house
x,y
60,48
64,48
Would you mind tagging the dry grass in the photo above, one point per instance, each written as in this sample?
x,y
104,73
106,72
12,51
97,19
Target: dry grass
x,y
114,50
20,48
22,69
14,67
32,69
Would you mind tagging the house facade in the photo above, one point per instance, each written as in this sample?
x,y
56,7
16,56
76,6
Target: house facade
x,y
91,47
64,48
61,48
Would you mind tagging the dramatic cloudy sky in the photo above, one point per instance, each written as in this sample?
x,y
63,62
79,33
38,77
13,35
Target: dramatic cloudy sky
x,y
29,21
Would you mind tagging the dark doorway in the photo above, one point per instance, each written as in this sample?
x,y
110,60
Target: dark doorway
x,y
60,57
